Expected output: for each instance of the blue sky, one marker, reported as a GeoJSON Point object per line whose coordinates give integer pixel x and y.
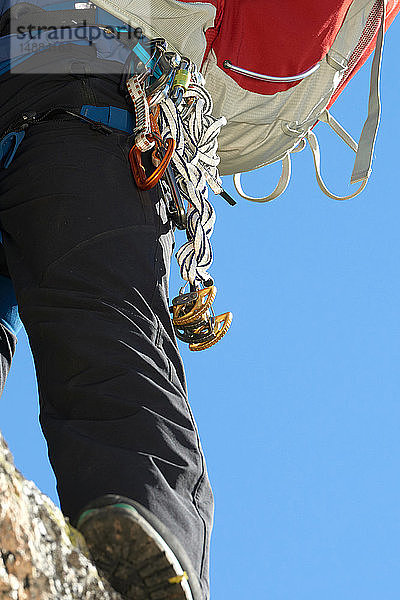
{"type": "Point", "coordinates": [298, 407]}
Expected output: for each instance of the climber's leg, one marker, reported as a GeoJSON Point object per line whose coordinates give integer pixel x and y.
{"type": "Point", "coordinates": [89, 255]}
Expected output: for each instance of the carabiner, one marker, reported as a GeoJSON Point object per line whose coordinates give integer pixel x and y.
{"type": "Point", "coordinates": [175, 202]}
{"type": "Point", "coordinates": [135, 158]}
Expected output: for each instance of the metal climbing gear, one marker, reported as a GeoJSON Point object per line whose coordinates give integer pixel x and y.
{"type": "Point", "coordinates": [174, 122]}
{"type": "Point", "coordinates": [147, 131]}
{"type": "Point", "coordinates": [144, 181]}
{"type": "Point", "coordinates": [161, 154]}
{"type": "Point", "coordinates": [176, 206]}
{"type": "Point", "coordinates": [194, 320]}
{"type": "Point", "coordinates": [181, 81]}
{"type": "Point", "coordinates": [137, 93]}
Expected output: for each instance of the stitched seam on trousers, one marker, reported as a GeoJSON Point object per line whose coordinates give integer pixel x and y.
{"type": "Point", "coordinates": [88, 241]}
{"type": "Point", "coordinates": [197, 485]}
{"type": "Point", "coordinates": [157, 248]}
{"type": "Point", "coordinates": [196, 488]}
{"type": "Point", "coordinates": [85, 88]}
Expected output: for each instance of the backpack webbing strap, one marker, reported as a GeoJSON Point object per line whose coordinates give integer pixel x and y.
{"type": "Point", "coordinates": [280, 188]}
{"type": "Point", "coordinates": [313, 141]}
{"type": "Point", "coordinates": [365, 147]}
{"type": "Point", "coordinates": [362, 166]}
{"type": "Point", "coordinates": [330, 120]}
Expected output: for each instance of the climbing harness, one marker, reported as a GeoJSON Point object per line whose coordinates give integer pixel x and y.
{"type": "Point", "coordinates": [98, 118]}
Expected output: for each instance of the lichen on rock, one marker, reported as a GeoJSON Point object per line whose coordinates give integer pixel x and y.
{"type": "Point", "coordinates": [42, 557]}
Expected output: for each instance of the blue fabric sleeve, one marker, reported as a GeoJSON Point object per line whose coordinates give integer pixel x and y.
{"type": "Point", "coordinates": [9, 315]}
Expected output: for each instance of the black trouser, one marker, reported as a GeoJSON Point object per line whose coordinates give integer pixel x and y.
{"type": "Point", "coordinates": [89, 255]}
{"type": "Point", "coordinates": [7, 348]}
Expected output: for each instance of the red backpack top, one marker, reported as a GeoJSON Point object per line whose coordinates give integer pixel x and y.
{"type": "Point", "coordinates": [273, 69]}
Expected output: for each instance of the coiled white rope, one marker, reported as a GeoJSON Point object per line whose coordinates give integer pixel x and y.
{"type": "Point", "coordinates": [195, 164]}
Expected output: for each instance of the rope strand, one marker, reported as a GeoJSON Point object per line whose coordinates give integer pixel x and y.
{"type": "Point", "coordinates": [195, 164]}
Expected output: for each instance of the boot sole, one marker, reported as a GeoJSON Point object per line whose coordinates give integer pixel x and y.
{"type": "Point", "coordinates": [132, 556]}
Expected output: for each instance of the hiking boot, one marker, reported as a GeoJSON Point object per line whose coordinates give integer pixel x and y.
{"type": "Point", "coordinates": [135, 552]}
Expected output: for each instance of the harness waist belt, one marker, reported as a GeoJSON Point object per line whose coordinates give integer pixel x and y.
{"type": "Point", "coordinates": [117, 118]}
{"type": "Point", "coordinates": [107, 116]}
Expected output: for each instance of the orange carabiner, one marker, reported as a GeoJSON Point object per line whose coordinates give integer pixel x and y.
{"type": "Point", "coordinates": [135, 158]}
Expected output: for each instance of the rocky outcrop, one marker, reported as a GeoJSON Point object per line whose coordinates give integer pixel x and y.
{"type": "Point", "coordinates": [41, 556]}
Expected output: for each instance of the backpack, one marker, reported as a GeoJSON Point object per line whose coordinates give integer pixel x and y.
{"type": "Point", "coordinates": [273, 70]}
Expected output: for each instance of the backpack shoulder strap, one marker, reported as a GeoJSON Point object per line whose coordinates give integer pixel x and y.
{"type": "Point", "coordinates": [362, 166]}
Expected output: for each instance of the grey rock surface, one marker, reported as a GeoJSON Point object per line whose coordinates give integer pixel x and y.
{"type": "Point", "coordinates": [41, 556]}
